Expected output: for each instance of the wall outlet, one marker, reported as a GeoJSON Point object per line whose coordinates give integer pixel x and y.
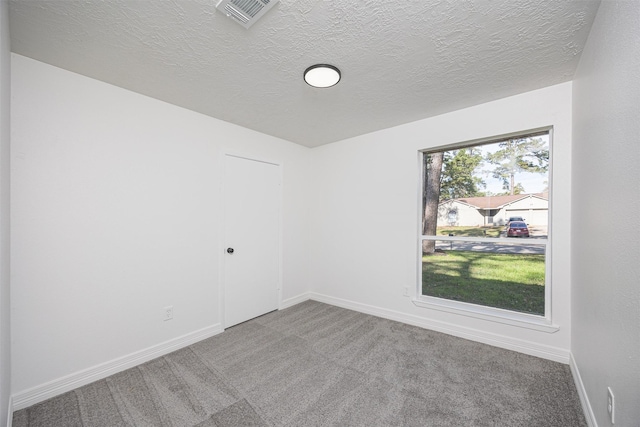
{"type": "Point", "coordinates": [168, 312]}
{"type": "Point", "coordinates": [406, 291]}
{"type": "Point", "coordinates": [611, 405]}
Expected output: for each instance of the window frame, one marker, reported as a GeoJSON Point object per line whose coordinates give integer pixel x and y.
{"type": "Point", "coordinates": [542, 323]}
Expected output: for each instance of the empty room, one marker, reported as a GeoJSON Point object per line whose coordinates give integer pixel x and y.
{"type": "Point", "coordinates": [319, 213]}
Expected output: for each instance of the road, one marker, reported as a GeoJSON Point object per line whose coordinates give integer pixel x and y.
{"type": "Point", "coordinates": [512, 246]}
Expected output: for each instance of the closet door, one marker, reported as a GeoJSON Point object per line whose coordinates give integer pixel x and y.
{"type": "Point", "coordinates": [252, 243]}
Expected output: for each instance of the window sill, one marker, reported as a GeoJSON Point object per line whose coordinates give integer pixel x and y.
{"type": "Point", "coordinates": [522, 320]}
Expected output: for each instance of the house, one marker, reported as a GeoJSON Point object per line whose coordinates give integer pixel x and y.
{"type": "Point", "coordinates": [494, 210]}
{"type": "Point", "coordinates": [111, 199]}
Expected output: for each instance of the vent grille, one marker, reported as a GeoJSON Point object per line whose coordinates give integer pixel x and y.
{"type": "Point", "coordinates": [245, 12]}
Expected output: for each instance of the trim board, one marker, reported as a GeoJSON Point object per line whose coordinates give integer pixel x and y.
{"type": "Point", "coordinates": [582, 392]}
{"type": "Point", "coordinates": [527, 347]}
{"type": "Point", "coordinates": [10, 412]}
{"type": "Point", "coordinates": [67, 383]}
{"type": "Point", "coordinates": [290, 302]}
{"type": "Point", "coordinates": [53, 388]}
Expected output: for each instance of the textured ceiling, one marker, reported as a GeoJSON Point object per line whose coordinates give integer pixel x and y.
{"type": "Point", "coordinates": [400, 61]}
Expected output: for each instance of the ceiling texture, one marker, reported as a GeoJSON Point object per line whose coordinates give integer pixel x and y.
{"type": "Point", "coordinates": [401, 61]}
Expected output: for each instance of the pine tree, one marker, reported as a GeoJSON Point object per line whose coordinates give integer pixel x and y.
{"type": "Point", "coordinates": [518, 155]}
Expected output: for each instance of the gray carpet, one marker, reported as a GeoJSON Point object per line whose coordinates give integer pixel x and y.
{"type": "Point", "coordinates": [319, 365]}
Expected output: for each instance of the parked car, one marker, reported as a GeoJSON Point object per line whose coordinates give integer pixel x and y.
{"type": "Point", "coordinates": [517, 229]}
{"type": "Point", "coordinates": [515, 218]}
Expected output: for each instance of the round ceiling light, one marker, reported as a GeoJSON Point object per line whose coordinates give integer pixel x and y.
{"type": "Point", "coordinates": [322, 75]}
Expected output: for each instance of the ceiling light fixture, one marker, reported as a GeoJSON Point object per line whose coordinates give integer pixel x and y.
{"type": "Point", "coordinates": [322, 75]}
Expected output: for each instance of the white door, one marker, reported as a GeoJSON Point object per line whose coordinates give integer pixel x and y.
{"type": "Point", "coordinates": [252, 249]}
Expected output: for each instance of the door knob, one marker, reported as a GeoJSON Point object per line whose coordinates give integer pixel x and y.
{"type": "Point", "coordinates": [229, 250]}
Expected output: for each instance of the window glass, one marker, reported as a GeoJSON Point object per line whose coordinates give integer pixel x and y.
{"type": "Point", "coordinates": [485, 221]}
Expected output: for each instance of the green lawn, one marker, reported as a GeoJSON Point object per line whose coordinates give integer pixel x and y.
{"type": "Point", "coordinates": [470, 231]}
{"type": "Point", "coordinates": [509, 281]}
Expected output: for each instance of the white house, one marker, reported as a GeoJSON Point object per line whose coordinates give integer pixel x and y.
{"type": "Point", "coordinates": [494, 210]}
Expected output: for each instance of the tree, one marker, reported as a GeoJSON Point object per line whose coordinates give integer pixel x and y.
{"type": "Point", "coordinates": [458, 170]}
{"type": "Point", "coordinates": [518, 155]}
{"type": "Point", "coordinates": [517, 189]}
{"type": "Point", "coordinates": [431, 197]}
{"type": "Point", "coordinates": [447, 175]}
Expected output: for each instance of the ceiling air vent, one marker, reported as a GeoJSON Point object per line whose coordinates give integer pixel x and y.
{"type": "Point", "coordinates": [245, 12]}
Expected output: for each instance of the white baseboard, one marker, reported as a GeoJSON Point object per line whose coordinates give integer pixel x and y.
{"type": "Point", "coordinates": [582, 392]}
{"type": "Point", "coordinates": [527, 347]}
{"type": "Point", "coordinates": [289, 302]}
{"type": "Point", "coordinates": [78, 379]}
{"type": "Point", "coordinates": [10, 412]}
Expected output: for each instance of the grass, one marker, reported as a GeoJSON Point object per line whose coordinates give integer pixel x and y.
{"type": "Point", "coordinates": [470, 231]}
{"type": "Point", "coordinates": [508, 281]}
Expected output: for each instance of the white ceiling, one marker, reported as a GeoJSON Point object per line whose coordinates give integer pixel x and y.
{"type": "Point", "coordinates": [400, 60]}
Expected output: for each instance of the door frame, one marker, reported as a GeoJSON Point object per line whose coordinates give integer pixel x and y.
{"type": "Point", "coordinates": [224, 153]}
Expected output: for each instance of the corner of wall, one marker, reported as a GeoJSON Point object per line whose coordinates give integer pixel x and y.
{"type": "Point", "coordinates": [5, 134]}
{"type": "Point", "coordinates": [10, 412]}
{"type": "Point", "coordinates": [582, 392]}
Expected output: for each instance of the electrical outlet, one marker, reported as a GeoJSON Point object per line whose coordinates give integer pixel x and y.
{"type": "Point", "coordinates": [406, 291]}
{"type": "Point", "coordinates": [168, 312]}
{"type": "Point", "coordinates": [611, 405]}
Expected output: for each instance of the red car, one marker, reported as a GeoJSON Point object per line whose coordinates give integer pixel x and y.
{"type": "Point", "coordinates": [517, 229]}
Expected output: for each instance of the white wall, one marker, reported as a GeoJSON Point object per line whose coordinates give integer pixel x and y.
{"type": "Point", "coordinates": [606, 150]}
{"type": "Point", "coordinates": [116, 214]}
{"type": "Point", "coordinates": [466, 215]}
{"type": "Point", "coordinates": [5, 326]}
{"type": "Point", "coordinates": [365, 217]}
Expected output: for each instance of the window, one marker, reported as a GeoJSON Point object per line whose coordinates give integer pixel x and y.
{"type": "Point", "coordinates": [485, 227]}
{"type": "Point", "coordinates": [453, 217]}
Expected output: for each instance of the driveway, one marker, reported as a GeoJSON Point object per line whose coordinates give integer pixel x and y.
{"type": "Point", "coordinates": [539, 231]}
